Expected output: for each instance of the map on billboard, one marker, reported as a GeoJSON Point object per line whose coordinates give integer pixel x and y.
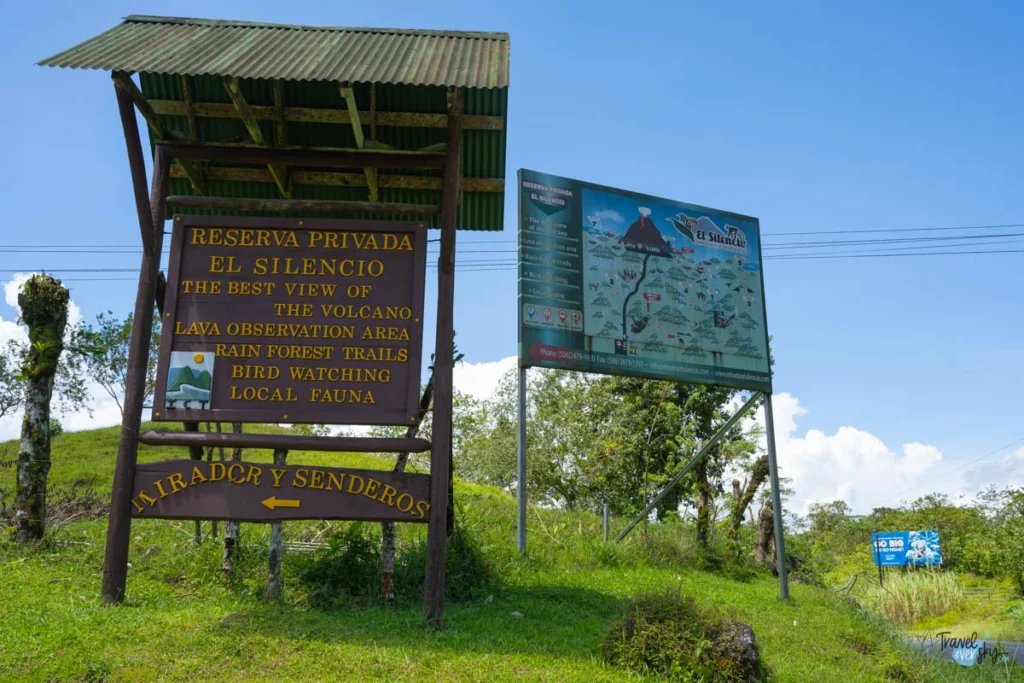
{"type": "Point", "coordinates": [622, 283]}
{"type": "Point", "coordinates": [906, 548]}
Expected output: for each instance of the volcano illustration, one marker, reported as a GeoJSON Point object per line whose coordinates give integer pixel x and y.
{"type": "Point", "coordinates": [644, 238]}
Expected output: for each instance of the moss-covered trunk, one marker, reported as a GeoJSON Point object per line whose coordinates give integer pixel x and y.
{"type": "Point", "coordinates": [44, 310]}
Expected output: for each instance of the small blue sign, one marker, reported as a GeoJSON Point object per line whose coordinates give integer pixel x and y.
{"type": "Point", "coordinates": [906, 548]}
{"type": "Point", "coordinates": [749, 266]}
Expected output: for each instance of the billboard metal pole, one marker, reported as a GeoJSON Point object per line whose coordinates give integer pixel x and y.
{"type": "Point", "coordinates": [773, 473]}
{"type": "Point", "coordinates": [521, 462]}
{"type": "Point", "coordinates": [696, 459]}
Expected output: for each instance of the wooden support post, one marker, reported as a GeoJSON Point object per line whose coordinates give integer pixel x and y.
{"type": "Point", "coordinates": [443, 365]}
{"type": "Point", "coordinates": [126, 85]}
{"type": "Point", "coordinates": [137, 164]}
{"type": "Point", "coordinates": [276, 554]}
{"type": "Point", "coordinates": [280, 173]}
{"type": "Point", "coordinates": [115, 563]}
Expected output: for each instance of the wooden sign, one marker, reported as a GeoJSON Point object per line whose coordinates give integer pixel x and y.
{"type": "Point", "coordinates": [260, 492]}
{"type": "Point", "coordinates": [285, 320]}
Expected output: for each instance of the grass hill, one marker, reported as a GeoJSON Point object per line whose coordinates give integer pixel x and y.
{"type": "Point", "coordinates": [541, 618]}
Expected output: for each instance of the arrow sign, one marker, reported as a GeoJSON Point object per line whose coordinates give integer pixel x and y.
{"type": "Point", "coordinates": [262, 492]}
{"type": "Point", "coordinates": [273, 502]}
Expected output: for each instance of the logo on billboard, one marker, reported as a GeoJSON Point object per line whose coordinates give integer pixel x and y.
{"type": "Point", "coordinates": [706, 233]}
{"type": "Point", "coordinates": [547, 314]}
{"type": "Point", "coordinates": [531, 311]}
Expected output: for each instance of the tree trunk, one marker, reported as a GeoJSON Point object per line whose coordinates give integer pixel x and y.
{"type": "Point", "coordinates": [743, 499]}
{"type": "Point", "coordinates": [276, 554]}
{"type": "Point", "coordinates": [44, 308]}
{"type": "Point", "coordinates": [700, 476]}
{"type": "Point", "coordinates": [764, 551]}
{"type": "Point", "coordinates": [230, 527]}
{"type": "Point", "coordinates": [387, 532]}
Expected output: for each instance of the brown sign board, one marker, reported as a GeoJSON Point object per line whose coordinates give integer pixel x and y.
{"type": "Point", "coordinates": [287, 320]}
{"type": "Point", "coordinates": [261, 492]}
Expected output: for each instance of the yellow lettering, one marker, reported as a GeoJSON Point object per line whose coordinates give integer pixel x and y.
{"type": "Point", "coordinates": [299, 482]}
{"type": "Point", "coordinates": [422, 507]}
{"type": "Point", "coordinates": [387, 496]}
{"type": "Point", "coordinates": [177, 482]}
{"type": "Point", "coordinates": [371, 488]}
{"type": "Point", "coordinates": [316, 480]}
{"type": "Point", "coordinates": [352, 483]}
{"type": "Point", "coordinates": [231, 470]}
{"type": "Point", "coordinates": [253, 475]}
{"type": "Point", "coordinates": [337, 480]}
{"type": "Point", "coordinates": [197, 477]}
{"type": "Point", "coordinates": [398, 503]}
{"type": "Point", "coordinates": [277, 477]}
{"type": "Point", "coordinates": [217, 471]}
{"type": "Point", "coordinates": [160, 488]}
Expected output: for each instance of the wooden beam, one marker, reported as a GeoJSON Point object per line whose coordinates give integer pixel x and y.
{"type": "Point", "coordinates": [353, 115]}
{"type": "Point", "coordinates": [126, 85]}
{"type": "Point", "coordinates": [324, 157]}
{"type": "Point", "coordinates": [190, 114]}
{"type": "Point", "coordinates": [279, 172]}
{"type": "Point", "coordinates": [119, 528]}
{"type": "Point", "coordinates": [193, 132]}
{"type": "Point", "coordinates": [333, 444]}
{"type": "Point", "coordinates": [301, 205]}
{"type": "Point", "coordinates": [137, 166]}
{"type": "Point", "coordinates": [441, 433]}
{"type": "Point", "coordinates": [357, 129]}
{"type": "Point", "coordinates": [336, 179]}
{"type": "Point", "coordinates": [282, 127]}
{"type": "Point", "coordinates": [392, 119]}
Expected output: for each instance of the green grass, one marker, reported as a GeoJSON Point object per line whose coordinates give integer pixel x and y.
{"type": "Point", "coordinates": [907, 597]}
{"type": "Point", "coordinates": [183, 621]}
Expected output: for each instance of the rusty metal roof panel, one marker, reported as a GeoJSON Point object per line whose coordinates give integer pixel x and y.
{"type": "Point", "coordinates": [197, 47]}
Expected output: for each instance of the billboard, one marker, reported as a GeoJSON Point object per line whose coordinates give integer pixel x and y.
{"type": "Point", "coordinates": [906, 548]}
{"type": "Point", "coordinates": [287, 320]}
{"type": "Point", "coordinates": [622, 283]}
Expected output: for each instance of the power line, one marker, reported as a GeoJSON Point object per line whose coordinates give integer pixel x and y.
{"type": "Point", "coordinates": [946, 473]}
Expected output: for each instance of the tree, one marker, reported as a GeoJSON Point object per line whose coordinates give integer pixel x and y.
{"type": "Point", "coordinates": [44, 310]}
{"type": "Point", "coordinates": [107, 362]}
{"type": "Point", "coordinates": [68, 384]}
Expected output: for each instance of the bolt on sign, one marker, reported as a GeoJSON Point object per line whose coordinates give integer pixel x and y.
{"type": "Point", "coordinates": [292, 321]}
{"type": "Point", "coordinates": [250, 492]}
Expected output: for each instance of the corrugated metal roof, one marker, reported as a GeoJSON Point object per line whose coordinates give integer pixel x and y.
{"type": "Point", "coordinates": [197, 47]}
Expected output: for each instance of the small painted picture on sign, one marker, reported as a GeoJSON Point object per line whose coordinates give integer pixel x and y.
{"type": "Point", "coordinates": [189, 380]}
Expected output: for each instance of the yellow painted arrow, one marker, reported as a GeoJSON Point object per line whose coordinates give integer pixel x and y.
{"type": "Point", "coordinates": [274, 502]}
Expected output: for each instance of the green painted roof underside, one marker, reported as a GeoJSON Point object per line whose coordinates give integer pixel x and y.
{"type": "Point", "coordinates": [483, 151]}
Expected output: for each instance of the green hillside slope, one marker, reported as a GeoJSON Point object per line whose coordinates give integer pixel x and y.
{"type": "Point", "coordinates": [535, 619]}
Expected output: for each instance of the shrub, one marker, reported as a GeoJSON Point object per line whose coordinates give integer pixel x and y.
{"type": "Point", "coordinates": [348, 567]}
{"type": "Point", "coordinates": [468, 575]}
{"type": "Point", "coordinates": [670, 636]}
{"type": "Point", "coordinates": [909, 596]}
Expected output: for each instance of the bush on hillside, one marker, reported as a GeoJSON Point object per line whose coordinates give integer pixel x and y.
{"type": "Point", "coordinates": [468, 575]}
{"type": "Point", "coordinates": [347, 567]}
{"type": "Point", "coordinates": [909, 596]}
{"type": "Point", "coordinates": [670, 636]}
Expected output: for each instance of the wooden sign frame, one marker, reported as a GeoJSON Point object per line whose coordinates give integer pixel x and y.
{"type": "Point", "coordinates": [290, 413]}
{"type": "Point", "coordinates": [151, 207]}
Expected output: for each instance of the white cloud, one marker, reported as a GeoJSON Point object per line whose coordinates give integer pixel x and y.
{"type": "Point", "coordinates": [479, 380]}
{"type": "Point", "coordinates": [851, 464]}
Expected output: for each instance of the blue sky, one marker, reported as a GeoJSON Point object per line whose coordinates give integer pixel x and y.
{"type": "Point", "coordinates": [810, 116]}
